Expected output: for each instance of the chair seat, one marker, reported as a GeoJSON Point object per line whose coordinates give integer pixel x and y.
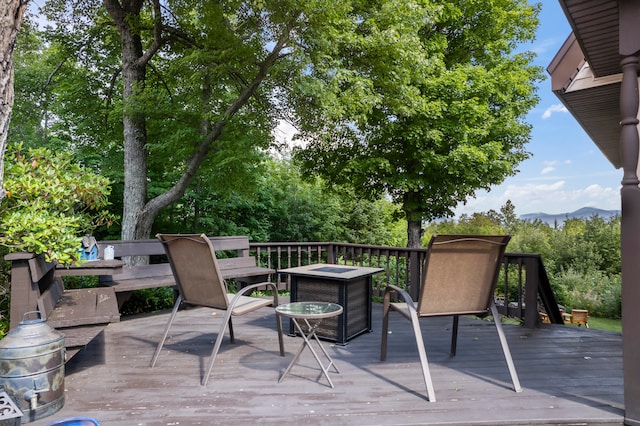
{"type": "Point", "coordinates": [246, 304]}
{"type": "Point", "coordinates": [401, 308]}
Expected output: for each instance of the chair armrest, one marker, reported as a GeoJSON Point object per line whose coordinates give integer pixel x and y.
{"type": "Point", "coordinates": [406, 309]}
{"type": "Point", "coordinates": [402, 292]}
{"type": "Point", "coordinates": [252, 287]}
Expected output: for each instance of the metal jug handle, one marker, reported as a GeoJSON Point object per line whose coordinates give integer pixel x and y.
{"type": "Point", "coordinates": [24, 316]}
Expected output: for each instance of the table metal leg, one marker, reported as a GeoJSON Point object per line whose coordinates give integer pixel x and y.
{"type": "Point", "coordinates": [307, 337]}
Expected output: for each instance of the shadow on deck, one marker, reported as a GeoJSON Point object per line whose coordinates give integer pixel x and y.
{"type": "Point", "coordinates": [570, 375]}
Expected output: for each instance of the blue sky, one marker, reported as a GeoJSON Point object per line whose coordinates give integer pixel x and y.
{"type": "Point", "coordinates": [566, 170]}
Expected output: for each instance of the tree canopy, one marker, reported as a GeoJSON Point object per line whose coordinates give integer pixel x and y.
{"type": "Point", "coordinates": [418, 100]}
{"type": "Point", "coordinates": [425, 103]}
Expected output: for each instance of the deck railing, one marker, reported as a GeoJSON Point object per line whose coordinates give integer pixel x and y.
{"type": "Point", "coordinates": [523, 281]}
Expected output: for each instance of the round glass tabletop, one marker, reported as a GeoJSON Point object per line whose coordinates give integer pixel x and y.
{"type": "Point", "coordinates": [309, 309]}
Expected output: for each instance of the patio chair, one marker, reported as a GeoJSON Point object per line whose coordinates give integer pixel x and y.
{"type": "Point", "coordinates": [200, 283]}
{"type": "Point", "coordinates": [459, 278]}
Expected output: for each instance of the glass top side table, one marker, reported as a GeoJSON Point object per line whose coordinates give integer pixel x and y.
{"type": "Point", "coordinates": [305, 312]}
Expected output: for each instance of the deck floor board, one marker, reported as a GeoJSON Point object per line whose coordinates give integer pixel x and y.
{"type": "Point", "coordinates": [570, 375]}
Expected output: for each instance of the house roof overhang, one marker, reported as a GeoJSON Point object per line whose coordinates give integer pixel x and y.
{"type": "Point", "coordinates": [586, 72]}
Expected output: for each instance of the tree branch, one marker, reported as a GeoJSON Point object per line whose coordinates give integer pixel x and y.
{"type": "Point", "coordinates": [157, 35]}
{"type": "Point", "coordinates": [51, 74]}
{"type": "Point", "coordinates": [109, 95]}
{"type": "Point", "coordinates": [198, 157]}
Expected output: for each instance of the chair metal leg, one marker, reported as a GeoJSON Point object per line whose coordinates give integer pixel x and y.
{"type": "Point", "coordinates": [454, 336]}
{"type": "Point", "coordinates": [227, 322]}
{"type": "Point", "coordinates": [231, 336]}
{"type": "Point", "coordinates": [216, 347]}
{"type": "Point", "coordinates": [280, 341]}
{"type": "Point", "coordinates": [166, 330]}
{"type": "Point", "coordinates": [385, 326]}
{"type": "Point", "coordinates": [505, 348]}
{"type": "Point", "coordinates": [274, 290]}
{"type": "Point", "coordinates": [413, 315]}
{"type": "Point", "coordinates": [426, 374]}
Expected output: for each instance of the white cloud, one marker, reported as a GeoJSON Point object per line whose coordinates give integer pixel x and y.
{"type": "Point", "coordinates": [597, 193]}
{"type": "Point", "coordinates": [550, 166]}
{"type": "Point", "coordinates": [546, 45]}
{"type": "Point", "coordinates": [553, 108]}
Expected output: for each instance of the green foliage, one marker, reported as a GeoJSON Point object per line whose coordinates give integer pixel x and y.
{"type": "Point", "coordinates": [148, 300]}
{"type": "Point", "coordinates": [431, 106]}
{"type": "Point", "coordinates": [478, 223]}
{"type": "Point", "coordinates": [421, 101]}
{"type": "Point", "coordinates": [595, 291]}
{"type": "Point", "coordinates": [582, 259]}
{"type": "Point", "coordinates": [284, 207]}
{"type": "Point", "coordinates": [5, 269]}
{"type": "Point", "coordinates": [51, 202]}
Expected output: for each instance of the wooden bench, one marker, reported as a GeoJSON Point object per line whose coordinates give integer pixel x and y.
{"type": "Point", "coordinates": [79, 314]}
{"type": "Point", "coordinates": [37, 285]}
{"type": "Point", "coordinates": [242, 267]}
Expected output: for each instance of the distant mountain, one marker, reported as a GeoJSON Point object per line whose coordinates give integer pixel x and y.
{"type": "Point", "coordinates": [583, 213]}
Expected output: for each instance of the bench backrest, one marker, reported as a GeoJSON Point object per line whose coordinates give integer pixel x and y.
{"type": "Point", "coordinates": [49, 297]}
{"type": "Point", "coordinates": [123, 248]}
{"type": "Point", "coordinates": [31, 276]}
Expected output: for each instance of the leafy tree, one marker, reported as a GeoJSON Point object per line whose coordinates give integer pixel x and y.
{"type": "Point", "coordinates": [426, 106]}
{"type": "Point", "coordinates": [51, 201]}
{"type": "Point", "coordinates": [605, 235]}
{"type": "Point", "coordinates": [508, 216]}
{"type": "Point", "coordinates": [30, 69]}
{"type": "Point", "coordinates": [533, 237]}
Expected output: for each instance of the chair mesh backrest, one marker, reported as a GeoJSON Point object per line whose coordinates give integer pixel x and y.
{"type": "Point", "coordinates": [460, 274]}
{"type": "Point", "coordinates": [195, 269]}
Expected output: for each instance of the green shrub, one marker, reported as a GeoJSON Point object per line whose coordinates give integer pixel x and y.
{"type": "Point", "coordinates": [148, 300]}
{"type": "Point", "coordinates": [51, 202]}
{"type": "Point", "coordinates": [595, 291]}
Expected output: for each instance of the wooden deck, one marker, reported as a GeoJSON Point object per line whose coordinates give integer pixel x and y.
{"type": "Point", "coordinates": [570, 375]}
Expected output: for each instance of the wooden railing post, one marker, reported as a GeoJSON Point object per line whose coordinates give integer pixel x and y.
{"type": "Point", "coordinates": [331, 256]}
{"type": "Point", "coordinates": [414, 274]}
{"type": "Point", "coordinates": [531, 293]}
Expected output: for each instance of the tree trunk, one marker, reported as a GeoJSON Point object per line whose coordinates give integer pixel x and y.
{"type": "Point", "coordinates": [126, 15]}
{"type": "Point", "coordinates": [11, 15]}
{"type": "Point", "coordinates": [134, 63]}
{"type": "Point", "coordinates": [414, 220]}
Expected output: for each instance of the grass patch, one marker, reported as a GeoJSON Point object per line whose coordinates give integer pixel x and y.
{"type": "Point", "coordinates": [605, 324]}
